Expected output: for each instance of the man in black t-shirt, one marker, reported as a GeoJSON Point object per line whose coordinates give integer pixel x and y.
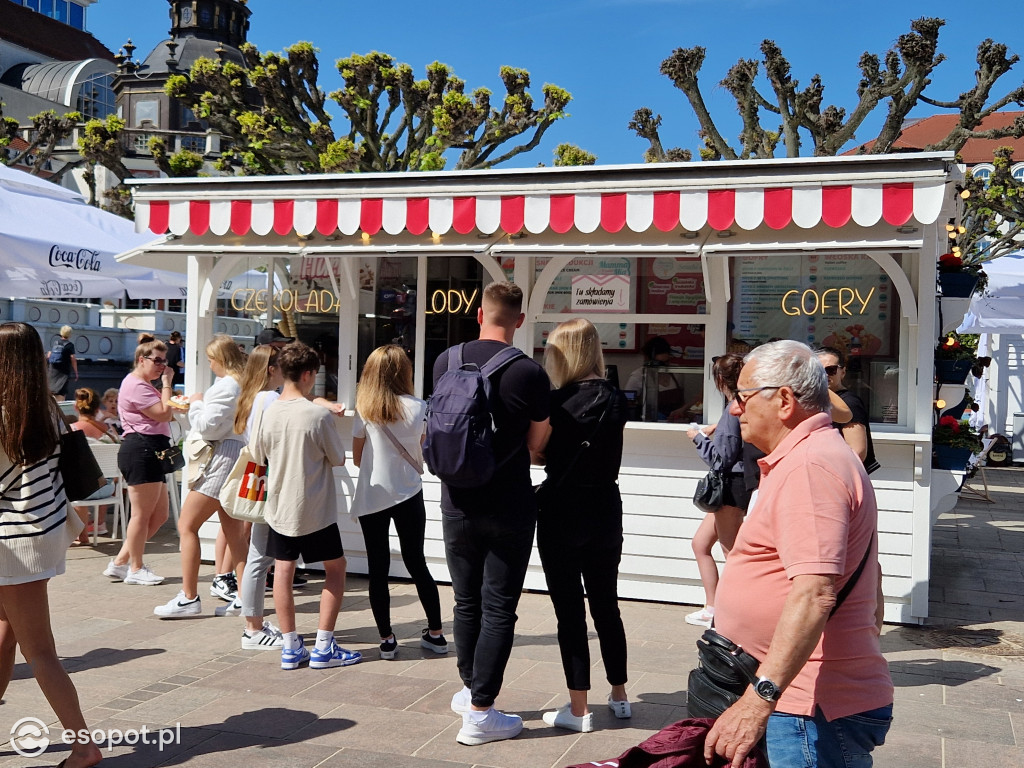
{"type": "Point", "coordinates": [174, 358]}
{"type": "Point", "coordinates": [857, 431]}
{"type": "Point", "coordinates": [488, 531]}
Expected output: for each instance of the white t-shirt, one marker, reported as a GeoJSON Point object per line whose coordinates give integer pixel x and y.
{"type": "Point", "coordinates": [385, 477]}
{"type": "Point", "coordinates": [301, 444]}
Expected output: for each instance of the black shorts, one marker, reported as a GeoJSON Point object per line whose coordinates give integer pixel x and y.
{"type": "Point", "coordinates": [315, 547]}
{"type": "Point", "coordinates": [137, 458]}
{"type": "Point", "coordinates": [735, 493]}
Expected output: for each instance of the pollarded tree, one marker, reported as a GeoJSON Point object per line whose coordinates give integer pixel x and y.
{"type": "Point", "coordinates": [895, 81]}
{"type": "Point", "coordinates": [993, 219]}
{"type": "Point", "coordinates": [49, 131]}
{"type": "Point", "coordinates": [395, 122]}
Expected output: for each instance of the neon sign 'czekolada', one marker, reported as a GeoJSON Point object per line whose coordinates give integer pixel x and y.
{"type": "Point", "coordinates": [253, 300]}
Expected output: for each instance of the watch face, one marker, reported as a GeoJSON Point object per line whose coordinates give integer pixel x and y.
{"type": "Point", "coordinates": [767, 690]}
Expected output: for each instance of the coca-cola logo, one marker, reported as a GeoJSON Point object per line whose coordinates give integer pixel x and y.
{"type": "Point", "coordinates": [84, 259]}
{"type": "Point", "coordinates": [59, 288]}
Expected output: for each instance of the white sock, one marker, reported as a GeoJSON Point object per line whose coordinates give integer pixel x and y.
{"type": "Point", "coordinates": [291, 641]}
{"type": "Point", "coordinates": [324, 638]}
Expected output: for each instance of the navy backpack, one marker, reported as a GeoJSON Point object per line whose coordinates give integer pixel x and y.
{"type": "Point", "coordinates": [460, 428]}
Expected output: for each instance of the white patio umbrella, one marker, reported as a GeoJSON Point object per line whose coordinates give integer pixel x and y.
{"type": "Point", "coordinates": [54, 245]}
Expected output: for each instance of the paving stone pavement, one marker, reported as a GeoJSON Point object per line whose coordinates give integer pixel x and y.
{"type": "Point", "coordinates": [959, 679]}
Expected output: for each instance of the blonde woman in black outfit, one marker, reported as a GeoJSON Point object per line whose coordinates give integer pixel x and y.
{"type": "Point", "coordinates": [579, 526]}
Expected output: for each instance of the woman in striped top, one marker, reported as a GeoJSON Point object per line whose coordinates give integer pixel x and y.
{"type": "Point", "coordinates": [34, 527]}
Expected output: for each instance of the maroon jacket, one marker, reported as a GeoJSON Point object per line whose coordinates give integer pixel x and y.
{"type": "Point", "coordinates": [680, 745]}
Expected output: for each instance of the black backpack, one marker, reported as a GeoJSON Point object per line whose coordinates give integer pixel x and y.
{"type": "Point", "coordinates": [460, 427]}
{"type": "Point", "coordinates": [57, 359]}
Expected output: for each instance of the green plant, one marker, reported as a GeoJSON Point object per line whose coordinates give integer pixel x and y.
{"type": "Point", "coordinates": [956, 347]}
{"type": "Point", "coordinates": [956, 434]}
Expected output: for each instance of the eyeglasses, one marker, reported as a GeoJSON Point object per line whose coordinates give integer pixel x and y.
{"type": "Point", "coordinates": [742, 401]}
{"type": "Point", "coordinates": [832, 370]}
{"type": "Point", "coordinates": [158, 360]}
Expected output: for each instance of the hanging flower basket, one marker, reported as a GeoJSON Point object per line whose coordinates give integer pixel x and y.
{"type": "Point", "coordinates": [948, 457]}
{"type": "Point", "coordinates": [952, 371]}
{"type": "Point", "coordinates": [958, 284]}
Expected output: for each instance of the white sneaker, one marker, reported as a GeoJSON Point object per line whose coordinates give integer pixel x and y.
{"type": "Point", "coordinates": [492, 726]}
{"type": "Point", "coordinates": [179, 606]}
{"type": "Point", "coordinates": [462, 701]}
{"type": "Point", "coordinates": [143, 577]}
{"type": "Point", "coordinates": [701, 618]}
{"type": "Point", "coordinates": [564, 718]}
{"type": "Point", "coordinates": [263, 639]}
{"type": "Point", "coordinates": [620, 709]}
{"type": "Point", "coordinates": [115, 571]}
{"type": "Point", "coordinates": [231, 609]}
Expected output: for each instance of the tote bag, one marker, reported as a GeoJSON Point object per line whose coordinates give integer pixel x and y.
{"type": "Point", "coordinates": [244, 493]}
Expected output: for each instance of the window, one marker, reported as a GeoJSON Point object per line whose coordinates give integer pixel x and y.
{"type": "Point", "coordinates": [195, 144]}
{"type": "Point", "coordinates": [76, 16]}
{"type": "Point", "coordinates": [982, 171]}
{"type": "Point", "coordinates": [96, 96]}
{"type": "Point", "coordinates": [1018, 171]}
{"type": "Point", "coordinates": [843, 300]}
{"type": "Point", "coordinates": [147, 111]}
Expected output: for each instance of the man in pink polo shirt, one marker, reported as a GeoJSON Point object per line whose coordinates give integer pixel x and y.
{"type": "Point", "coordinates": [824, 695]}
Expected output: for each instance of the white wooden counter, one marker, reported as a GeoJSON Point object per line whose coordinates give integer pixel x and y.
{"type": "Point", "coordinates": [660, 470]}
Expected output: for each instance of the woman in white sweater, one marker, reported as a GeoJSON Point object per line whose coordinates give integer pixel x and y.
{"type": "Point", "coordinates": [212, 417]}
{"type": "Point", "coordinates": [35, 528]}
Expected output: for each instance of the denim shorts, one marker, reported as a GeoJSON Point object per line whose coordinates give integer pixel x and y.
{"type": "Point", "coordinates": [796, 741]}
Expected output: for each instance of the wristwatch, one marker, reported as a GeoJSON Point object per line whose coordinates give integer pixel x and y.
{"type": "Point", "coordinates": [767, 690]}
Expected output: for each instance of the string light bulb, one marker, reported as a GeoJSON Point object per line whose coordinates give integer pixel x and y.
{"type": "Point", "coordinates": [365, 237]}
{"type": "Point", "coordinates": [940, 404]}
{"type": "Point", "coordinates": [950, 226]}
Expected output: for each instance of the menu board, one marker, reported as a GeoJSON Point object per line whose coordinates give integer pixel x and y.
{"type": "Point", "coordinates": [844, 301]}
{"type": "Point", "coordinates": [670, 286]}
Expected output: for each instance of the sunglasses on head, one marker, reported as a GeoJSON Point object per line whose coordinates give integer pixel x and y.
{"type": "Point", "coordinates": [832, 370]}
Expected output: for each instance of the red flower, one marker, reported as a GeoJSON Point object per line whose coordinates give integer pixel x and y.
{"type": "Point", "coordinates": [950, 261]}
{"type": "Point", "coordinates": [949, 421]}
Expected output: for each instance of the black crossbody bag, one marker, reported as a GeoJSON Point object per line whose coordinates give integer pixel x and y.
{"type": "Point", "coordinates": [724, 669]}
{"type": "Point", "coordinates": [545, 489]}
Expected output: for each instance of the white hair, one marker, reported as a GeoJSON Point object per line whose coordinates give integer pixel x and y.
{"type": "Point", "coordinates": [791, 364]}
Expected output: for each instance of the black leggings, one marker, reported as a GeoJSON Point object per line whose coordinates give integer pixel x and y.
{"type": "Point", "coordinates": [579, 536]}
{"type": "Point", "coordinates": [410, 523]}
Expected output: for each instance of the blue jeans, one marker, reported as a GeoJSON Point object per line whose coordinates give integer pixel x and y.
{"type": "Point", "coordinates": [795, 741]}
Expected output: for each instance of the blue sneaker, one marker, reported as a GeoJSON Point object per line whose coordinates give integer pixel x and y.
{"type": "Point", "coordinates": [294, 659]}
{"type": "Point", "coordinates": [335, 656]}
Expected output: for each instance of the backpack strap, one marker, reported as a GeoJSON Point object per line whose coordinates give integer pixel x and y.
{"type": "Point", "coordinates": [500, 360]}
{"type": "Point", "coordinates": [455, 360]}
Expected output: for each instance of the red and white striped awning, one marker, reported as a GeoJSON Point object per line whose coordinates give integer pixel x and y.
{"type": "Point", "coordinates": [691, 209]}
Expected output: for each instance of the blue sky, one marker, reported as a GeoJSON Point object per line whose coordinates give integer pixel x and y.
{"type": "Point", "coordinates": [607, 53]}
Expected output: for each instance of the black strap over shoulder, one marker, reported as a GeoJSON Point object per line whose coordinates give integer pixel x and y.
{"type": "Point", "coordinates": [848, 587]}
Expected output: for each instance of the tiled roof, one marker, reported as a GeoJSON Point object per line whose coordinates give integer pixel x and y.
{"type": "Point", "coordinates": [51, 38]}
{"type": "Point", "coordinates": [920, 133]}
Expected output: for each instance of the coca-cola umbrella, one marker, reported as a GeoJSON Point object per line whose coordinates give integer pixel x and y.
{"type": "Point", "coordinates": [54, 245]}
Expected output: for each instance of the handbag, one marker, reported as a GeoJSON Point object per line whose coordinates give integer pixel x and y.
{"type": "Point", "coordinates": [244, 493]}
{"type": "Point", "coordinates": [172, 459]}
{"type": "Point", "coordinates": [198, 452]}
{"type": "Point", "coordinates": [78, 466]}
{"type": "Point", "coordinates": [710, 493]}
{"type": "Point", "coordinates": [724, 669]}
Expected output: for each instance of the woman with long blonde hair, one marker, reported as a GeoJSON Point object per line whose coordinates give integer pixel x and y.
{"type": "Point", "coordinates": [386, 437]}
{"type": "Point", "coordinates": [260, 381]}
{"type": "Point", "coordinates": [579, 524]}
{"type": "Point", "coordinates": [145, 414]}
{"type": "Point", "coordinates": [34, 528]}
{"type": "Point", "coordinates": [212, 416]}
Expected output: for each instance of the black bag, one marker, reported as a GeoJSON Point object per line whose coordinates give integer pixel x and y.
{"type": "Point", "coordinates": [78, 466]}
{"type": "Point", "coordinates": [710, 493]}
{"type": "Point", "coordinates": [172, 459]}
{"type": "Point", "coordinates": [724, 670]}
